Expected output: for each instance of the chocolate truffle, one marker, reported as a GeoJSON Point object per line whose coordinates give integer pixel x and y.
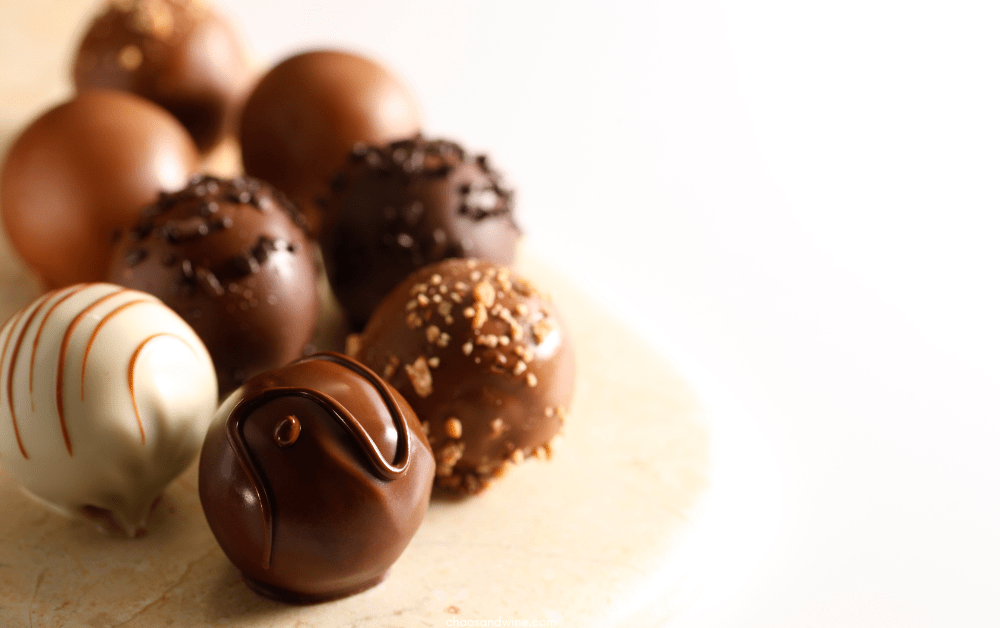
{"type": "Point", "coordinates": [302, 119]}
{"type": "Point", "coordinates": [106, 397]}
{"type": "Point", "coordinates": [231, 257]}
{"type": "Point", "coordinates": [314, 478]}
{"type": "Point", "coordinates": [177, 53]}
{"type": "Point", "coordinates": [404, 205]}
{"type": "Point", "coordinates": [82, 172]}
{"type": "Point", "coordinates": [484, 360]}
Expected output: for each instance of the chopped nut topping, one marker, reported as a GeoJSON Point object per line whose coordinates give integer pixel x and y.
{"type": "Point", "coordinates": [469, 312]}
{"type": "Point", "coordinates": [448, 456]}
{"type": "Point", "coordinates": [444, 309]}
{"type": "Point", "coordinates": [517, 456]}
{"type": "Point", "coordinates": [503, 278]}
{"type": "Point", "coordinates": [496, 426]}
{"type": "Point", "coordinates": [461, 286]}
{"type": "Point", "coordinates": [488, 340]}
{"type": "Point", "coordinates": [521, 309]}
{"type": "Point", "coordinates": [475, 275]}
{"type": "Point", "coordinates": [453, 428]}
{"type": "Point", "coordinates": [481, 316]}
{"type": "Point", "coordinates": [436, 298]}
{"type": "Point", "coordinates": [550, 412]}
{"type": "Point", "coordinates": [531, 379]}
{"type": "Point", "coordinates": [411, 305]}
{"type": "Point", "coordinates": [435, 279]}
{"type": "Point", "coordinates": [434, 362]}
{"type": "Point", "coordinates": [418, 288]}
{"type": "Point", "coordinates": [467, 347]}
{"type": "Point", "coordinates": [484, 293]}
{"type": "Point", "coordinates": [504, 341]}
{"type": "Point", "coordinates": [444, 339]}
{"type": "Point", "coordinates": [520, 367]}
{"type": "Point", "coordinates": [413, 320]}
{"type": "Point", "coordinates": [422, 299]}
{"type": "Point", "coordinates": [433, 333]}
{"type": "Point", "coordinates": [420, 377]}
{"type": "Point", "coordinates": [390, 367]}
{"type": "Point", "coordinates": [541, 330]}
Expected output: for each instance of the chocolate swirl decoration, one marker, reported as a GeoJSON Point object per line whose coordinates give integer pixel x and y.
{"type": "Point", "coordinates": [382, 468]}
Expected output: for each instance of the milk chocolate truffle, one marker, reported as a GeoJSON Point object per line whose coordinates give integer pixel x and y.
{"type": "Point", "coordinates": [484, 360]}
{"type": "Point", "coordinates": [231, 257]}
{"type": "Point", "coordinates": [83, 171]}
{"type": "Point", "coordinates": [105, 397]}
{"type": "Point", "coordinates": [305, 115]}
{"type": "Point", "coordinates": [177, 53]}
{"type": "Point", "coordinates": [401, 206]}
{"type": "Point", "coordinates": [314, 478]}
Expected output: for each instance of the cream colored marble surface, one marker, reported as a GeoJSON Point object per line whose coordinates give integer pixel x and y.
{"type": "Point", "coordinates": [570, 540]}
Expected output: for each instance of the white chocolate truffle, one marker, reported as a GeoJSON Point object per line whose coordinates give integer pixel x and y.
{"type": "Point", "coordinates": [105, 397]}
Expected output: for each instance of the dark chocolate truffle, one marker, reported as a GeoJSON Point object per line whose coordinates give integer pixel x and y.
{"type": "Point", "coordinates": [304, 116]}
{"type": "Point", "coordinates": [401, 206]}
{"type": "Point", "coordinates": [314, 477]}
{"type": "Point", "coordinates": [177, 53]}
{"type": "Point", "coordinates": [231, 257]}
{"type": "Point", "coordinates": [82, 172]}
{"type": "Point", "coordinates": [484, 360]}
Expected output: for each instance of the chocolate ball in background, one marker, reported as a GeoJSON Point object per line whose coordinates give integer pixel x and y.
{"type": "Point", "coordinates": [232, 258]}
{"type": "Point", "coordinates": [82, 172]}
{"type": "Point", "coordinates": [314, 477]}
{"type": "Point", "coordinates": [482, 357]}
{"type": "Point", "coordinates": [401, 206]}
{"type": "Point", "coordinates": [304, 116]}
{"type": "Point", "coordinates": [178, 53]}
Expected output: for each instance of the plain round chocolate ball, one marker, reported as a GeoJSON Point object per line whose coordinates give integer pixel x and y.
{"type": "Point", "coordinates": [179, 54]}
{"type": "Point", "coordinates": [232, 258]}
{"type": "Point", "coordinates": [306, 114]}
{"type": "Point", "coordinates": [314, 477]}
{"type": "Point", "coordinates": [81, 173]}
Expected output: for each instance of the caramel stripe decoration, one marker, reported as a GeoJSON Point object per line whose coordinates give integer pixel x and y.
{"type": "Point", "coordinates": [61, 364]}
{"type": "Point", "coordinates": [93, 337]}
{"type": "Point", "coordinates": [39, 304]}
{"type": "Point", "coordinates": [131, 374]}
{"type": "Point", "coordinates": [38, 335]}
{"type": "Point", "coordinates": [10, 398]}
{"type": "Point", "coordinates": [384, 469]}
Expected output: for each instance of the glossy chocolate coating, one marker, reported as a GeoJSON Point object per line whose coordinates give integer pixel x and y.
{"type": "Point", "coordinates": [305, 115]}
{"type": "Point", "coordinates": [231, 257]}
{"type": "Point", "coordinates": [401, 206]}
{"type": "Point", "coordinates": [314, 478]}
{"type": "Point", "coordinates": [484, 360]}
{"type": "Point", "coordinates": [177, 53]}
{"type": "Point", "coordinates": [82, 172]}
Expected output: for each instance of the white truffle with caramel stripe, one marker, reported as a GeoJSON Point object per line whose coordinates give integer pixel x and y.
{"type": "Point", "coordinates": [105, 397]}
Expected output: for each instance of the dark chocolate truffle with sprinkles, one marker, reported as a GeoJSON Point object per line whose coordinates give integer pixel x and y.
{"type": "Point", "coordinates": [314, 477]}
{"type": "Point", "coordinates": [401, 206]}
{"type": "Point", "coordinates": [483, 358]}
{"type": "Point", "coordinates": [232, 258]}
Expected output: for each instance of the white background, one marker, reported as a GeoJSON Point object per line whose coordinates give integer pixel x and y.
{"type": "Point", "coordinates": [798, 202]}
